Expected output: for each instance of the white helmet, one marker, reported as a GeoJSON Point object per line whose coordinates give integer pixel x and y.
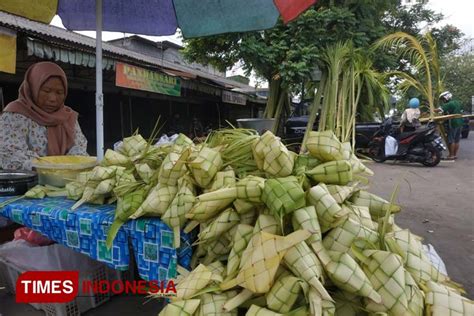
{"type": "Point", "coordinates": [446, 95]}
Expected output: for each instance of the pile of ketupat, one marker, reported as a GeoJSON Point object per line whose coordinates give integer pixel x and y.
{"type": "Point", "coordinates": [279, 233]}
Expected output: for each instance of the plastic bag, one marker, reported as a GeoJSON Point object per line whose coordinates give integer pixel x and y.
{"type": "Point", "coordinates": [31, 236]}
{"type": "Point", "coordinates": [166, 140]}
{"type": "Point", "coordinates": [391, 146]}
{"type": "Point", "coordinates": [435, 258]}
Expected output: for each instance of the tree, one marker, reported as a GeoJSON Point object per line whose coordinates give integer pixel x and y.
{"type": "Point", "coordinates": [458, 70]}
{"type": "Point", "coordinates": [415, 20]}
{"type": "Point", "coordinates": [422, 64]}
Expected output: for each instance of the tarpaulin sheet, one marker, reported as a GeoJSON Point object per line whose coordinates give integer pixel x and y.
{"type": "Point", "coordinates": [85, 231]}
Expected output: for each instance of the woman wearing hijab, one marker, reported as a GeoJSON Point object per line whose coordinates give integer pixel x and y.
{"type": "Point", "coordinates": [38, 123]}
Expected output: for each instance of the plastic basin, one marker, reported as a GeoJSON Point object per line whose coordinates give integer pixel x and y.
{"type": "Point", "coordinates": [59, 170]}
{"type": "Point", "coordinates": [258, 124]}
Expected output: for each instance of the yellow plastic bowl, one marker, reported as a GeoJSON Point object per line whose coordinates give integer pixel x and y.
{"type": "Point", "coordinates": [59, 170]}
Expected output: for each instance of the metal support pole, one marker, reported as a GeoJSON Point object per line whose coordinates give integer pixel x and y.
{"type": "Point", "coordinates": [99, 97]}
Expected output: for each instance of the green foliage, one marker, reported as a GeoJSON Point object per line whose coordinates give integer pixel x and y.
{"type": "Point", "coordinates": [423, 72]}
{"type": "Point", "coordinates": [459, 79]}
{"type": "Point", "coordinates": [290, 51]}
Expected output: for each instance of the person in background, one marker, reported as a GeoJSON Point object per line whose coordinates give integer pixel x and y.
{"type": "Point", "coordinates": [176, 126]}
{"type": "Point", "coordinates": [454, 126]}
{"type": "Point", "coordinates": [38, 123]}
{"type": "Point", "coordinates": [196, 130]}
{"type": "Point", "coordinates": [410, 117]}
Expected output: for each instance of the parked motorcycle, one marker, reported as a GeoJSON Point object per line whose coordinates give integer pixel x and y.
{"type": "Point", "coordinates": [423, 145]}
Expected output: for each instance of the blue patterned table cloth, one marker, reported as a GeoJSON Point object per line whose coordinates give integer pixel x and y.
{"type": "Point", "coordinates": [85, 230]}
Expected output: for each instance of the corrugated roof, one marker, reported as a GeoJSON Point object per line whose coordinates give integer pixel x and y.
{"type": "Point", "coordinates": [32, 27]}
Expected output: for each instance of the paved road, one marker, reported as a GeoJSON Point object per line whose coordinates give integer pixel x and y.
{"type": "Point", "coordinates": [443, 195]}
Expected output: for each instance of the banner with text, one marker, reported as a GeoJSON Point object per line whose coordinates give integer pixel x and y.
{"type": "Point", "coordinates": [234, 98]}
{"type": "Point", "coordinates": [7, 50]}
{"type": "Point", "coordinates": [133, 77]}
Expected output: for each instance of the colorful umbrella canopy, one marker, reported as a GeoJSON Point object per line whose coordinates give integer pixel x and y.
{"type": "Point", "coordinates": [194, 17]}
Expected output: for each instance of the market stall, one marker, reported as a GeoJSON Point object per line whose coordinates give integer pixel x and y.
{"type": "Point", "coordinates": [85, 230]}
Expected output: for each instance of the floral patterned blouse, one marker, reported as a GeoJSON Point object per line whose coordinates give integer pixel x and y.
{"type": "Point", "coordinates": [22, 139]}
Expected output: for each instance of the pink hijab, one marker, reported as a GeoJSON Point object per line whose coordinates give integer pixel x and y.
{"type": "Point", "coordinates": [60, 124]}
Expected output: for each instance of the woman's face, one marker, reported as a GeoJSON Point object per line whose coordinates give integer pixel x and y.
{"type": "Point", "coordinates": [51, 95]}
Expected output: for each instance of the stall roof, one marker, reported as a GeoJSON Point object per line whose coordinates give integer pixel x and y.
{"type": "Point", "coordinates": [78, 40]}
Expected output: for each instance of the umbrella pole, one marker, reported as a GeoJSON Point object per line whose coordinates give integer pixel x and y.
{"type": "Point", "coordinates": [99, 97]}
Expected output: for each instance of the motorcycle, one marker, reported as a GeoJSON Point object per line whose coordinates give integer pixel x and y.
{"type": "Point", "coordinates": [422, 145]}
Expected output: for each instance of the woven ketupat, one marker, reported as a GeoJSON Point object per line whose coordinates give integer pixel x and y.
{"type": "Point", "coordinates": [204, 210]}
{"type": "Point", "coordinates": [250, 189]}
{"type": "Point", "coordinates": [357, 165]}
{"type": "Point", "coordinates": [134, 145]}
{"type": "Point", "coordinates": [218, 249]}
{"type": "Point", "coordinates": [267, 223]}
{"type": "Point", "coordinates": [205, 166]}
{"type": "Point", "coordinates": [409, 247]}
{"type": "Point", "coordinates": [272, 156]}
{"type": "Point", "coordinates": [157, 201]}
{"type": "Point", "coordinates": [330, 214]}
{"type": "Point", "coordinates": [224, 222]}
{"type": "Point", "coordinates": [183, 140]}
{"type": "Point", "coordinates": [113, 158]}
{"type": "Point", "coordinates": [180, 308]}
{"type": "Point", "coordinates": [306, 218]}
{"type": "Point", "coordinates": [225, 178]}
{"type": "Point", "coordinates": [303, 163]}
{"type": "Point", "coordinates": [218, 271]}
{"type": "Point", "coordinates": [262, 259]}
{"type": "Point", "coordinates": [175, 215]}
{"type": "Point", "coordinates": [255, 310]}
{"type": "Point", "coordinates": [212, 303]}
{"type": "Point", "coordinates": [341, 193]}
{"type": "Point", "coordinates": [347, 304]}
{"type": "Point", "coordinates": [441, 300]}
{"type": "Point", "coordinates": [387, 275]}
{"type": "Point", "coordinates": [324, 146]}
{"type": "Point", "coordinates": [283, 294]}
{"type": "Point", "coordinates": [283, 195]}
{"type": "Point", "coordinates": [378, 207]}
{"type": "Point", "coordinates": [416, 298]}
{"type": "Point", "coordinates": [173, 167]}
{"type": "Point", "coordinates": [196, 280]}
{"type": "Point", "coordinates": [145, 172]}
{"type": "Point", "coordinates": [360, 214]}
{"type": "Point", "coordinates": [347, 275]}
{"type": "Point", "coordinates": [305, 265]}
{"type": "Point", "coordinates": [242, 206]}
{"type": "Point", "coordinates": [341, 237]}
{"type": "Point", "coordinates": [319, 305]}
{"type": "Point", "coordinates": [240, 241]}
{"type": "Point", "coordinates": [332, 172]}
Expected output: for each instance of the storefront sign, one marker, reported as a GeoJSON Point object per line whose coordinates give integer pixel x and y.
{"type": "Point", "coordinates": [7, 50]}
{"type": "Point", "coordinates": [234, 98]}
{"type": "Point", "coordinates": [133, 77]}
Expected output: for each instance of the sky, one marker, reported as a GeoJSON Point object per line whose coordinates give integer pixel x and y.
{"type": "Point", "coordinates": [456, 12]}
